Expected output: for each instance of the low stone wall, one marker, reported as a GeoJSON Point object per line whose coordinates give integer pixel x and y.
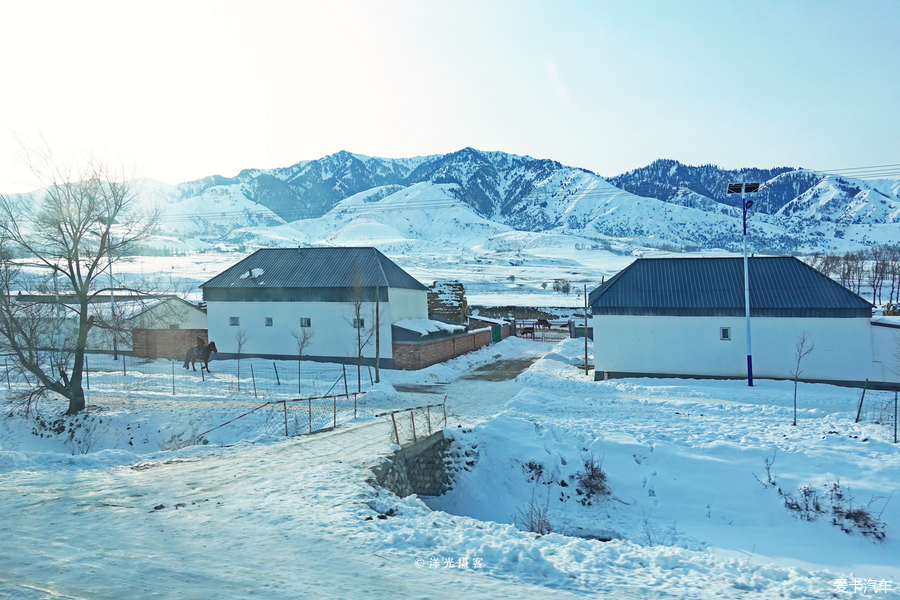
{"type": "Point", "coordinates": [417, 469]}
{"type": "Point", "coordinates": [418, 355]}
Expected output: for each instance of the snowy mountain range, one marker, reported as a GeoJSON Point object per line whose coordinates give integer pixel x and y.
{"type": "Point", "coordinates": [477, 199]}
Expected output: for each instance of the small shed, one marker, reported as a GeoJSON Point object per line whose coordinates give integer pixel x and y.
{"type": "Point", "coordinates": [685, 317]}
{"type": "Point", "coordinates": [166, 327]}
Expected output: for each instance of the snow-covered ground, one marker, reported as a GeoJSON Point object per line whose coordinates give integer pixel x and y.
{"type": "Point", "coordinates": [690, 514]}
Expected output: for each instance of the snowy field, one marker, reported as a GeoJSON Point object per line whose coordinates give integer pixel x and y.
{"type": "Point", "coordinates": [115, 505]}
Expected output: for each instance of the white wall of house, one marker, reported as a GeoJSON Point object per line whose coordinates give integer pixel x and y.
{"type": "Point", "coordinates": [693, 345]}
{"type": "Point", "coordinates": [331, 322]}
{"type": "Point", "coordinates": [407, 304]}
{"type": "Point", "coordinates": [886, 349]}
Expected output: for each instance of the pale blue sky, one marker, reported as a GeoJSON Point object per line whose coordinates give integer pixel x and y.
{"type": "Point", "coordinates": [188, 89]}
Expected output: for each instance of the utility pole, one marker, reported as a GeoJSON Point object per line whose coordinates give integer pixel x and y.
{"type": "Point", "coordinates": [585, 331]}
{"type": "Point", "coordinates": [743, 189]}
{"type": "Point", "coordinates": [377, 317]}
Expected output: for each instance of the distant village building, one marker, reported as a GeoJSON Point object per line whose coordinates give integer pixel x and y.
{"type": "Point", "coordinates": [273, 296]}
{"type": "Point", "coordinates": [685, 317]}
{"type": "Point", "coordinates": [176, 321]}
{"type": "Point", "coordinates": [166, 327]}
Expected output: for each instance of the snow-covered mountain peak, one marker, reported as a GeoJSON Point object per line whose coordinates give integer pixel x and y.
{"type": "Point", "coordinates": [480, 193]}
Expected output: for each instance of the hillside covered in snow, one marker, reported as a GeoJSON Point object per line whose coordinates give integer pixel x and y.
{"type": "Point", "coordinates": [468, 198]}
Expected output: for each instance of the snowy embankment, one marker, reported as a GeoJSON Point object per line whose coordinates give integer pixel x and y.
{"type": "Point", "coordinates": [691, 507]}
{"type": "Point", "coordinates": [690, 512]}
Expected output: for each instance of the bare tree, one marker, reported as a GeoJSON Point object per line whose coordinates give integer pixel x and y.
{"type": "Point", "coordinates": [562, 285]}
{"type": "Point", "coordinates": [877, 271]}
{"type": "Point", "coordinates": [364, 322]}
{"type": "Point", "coordinates": [303, 337]}
{"type": "Point", "coordinates": [803, 348]}
{"type": "Point", "coordinates": [63, 241]}
{"type": "Point", "coordinates": [831, 265]}
{"type": "Point", "coordinates": [893, 272]}
{"type": "Point", "coordinates": [240, 337]}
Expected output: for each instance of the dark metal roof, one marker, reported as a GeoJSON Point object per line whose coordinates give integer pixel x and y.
{"type": "Point", "coordinates": [779, 287]}
{"type": "Point", "coordinates": [320, 268]}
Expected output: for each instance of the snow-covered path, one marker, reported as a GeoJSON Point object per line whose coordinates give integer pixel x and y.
{"type": "Point", "coordinates": [283, 520]}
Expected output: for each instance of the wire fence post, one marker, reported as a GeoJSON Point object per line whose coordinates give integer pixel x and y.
{"type": "Point", "coordinates": [895, 416]}
{"type": "Point", "coordinates": [284, 402]}
{"type": "Point", "coordinates": [253, 377]}
{"type": "Point", "coordinates": [354, 406]}
{"type": "Point", "coordinates": [309, 401]}
{"type": "Point", "coordinates": [173, 377]}
{"type": "Point", "coordinates": [413, 420]}
{"type": "Point", "coordinates": [396, 434]}
{"type": "Point", "coordinates": [346, 391]}
{"type": "Point", "coordinates": [87, 372]}
{"type": "Point", "coordinates": [863, 397]}
{"type": "Point", "coordinates": [335, 410]}
{"type": "Point", "coordinates": [277, 379]}
{"type": "Point", "coordinates": [124, 370]}
{"type": "Point", "coordinates": [444, 405]}
{"type": "Point", "coordinates": [428, 417]}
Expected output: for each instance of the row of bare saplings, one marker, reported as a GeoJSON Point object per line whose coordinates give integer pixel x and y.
{"type": "Point", "coordinates": [877, 267]}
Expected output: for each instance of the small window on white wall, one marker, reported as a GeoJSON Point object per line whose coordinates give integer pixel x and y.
{"type": "Point", "coordinates": [359, 323]}
{"type": "Point", "coordinates": [268, 321]}
{"type": "Point", "coordinates": [305, 322]}
{"type": "Point", "coordinates": [234, 321]}
{"type": "Point", "coordinates": [725, 334]}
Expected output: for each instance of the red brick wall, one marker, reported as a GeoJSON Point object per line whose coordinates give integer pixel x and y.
{"type": "Point", "coordinates": [164, 343]}
{"type": "Point", "coordinates": [418, 355]}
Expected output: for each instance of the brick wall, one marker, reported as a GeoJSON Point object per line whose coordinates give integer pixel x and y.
{"type": "Point", "coordinates": [164, 343]}
{"type": "Point", "coordinates": [418, 355]}
{"type": "Point", "coordinates": [476, 323]}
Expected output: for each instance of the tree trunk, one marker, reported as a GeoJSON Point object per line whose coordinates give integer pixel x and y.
{"type": "Point", "coordinates": [76, 402]}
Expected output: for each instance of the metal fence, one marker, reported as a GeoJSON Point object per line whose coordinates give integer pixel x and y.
{"type": "Point", "coordinates": [412, 424]}
{"type": "Point", "coordinates": [542, 330]}
{"type": "Point", "coordinates": [299, 416]}
{"type": "Point", "coordinates": [245, 379]}
{"type": "Point", "coordinates": [880, 408]}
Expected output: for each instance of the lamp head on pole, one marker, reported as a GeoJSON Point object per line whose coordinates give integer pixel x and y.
{"type": "Point", "coordinates": [743, 188]}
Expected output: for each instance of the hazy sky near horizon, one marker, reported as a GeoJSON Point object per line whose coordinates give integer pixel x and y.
{"type": "Point", "coordinates": [193, 88]}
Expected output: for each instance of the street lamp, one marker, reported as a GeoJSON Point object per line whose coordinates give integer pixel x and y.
{"type": "Point", "coordinates": [743, 189]}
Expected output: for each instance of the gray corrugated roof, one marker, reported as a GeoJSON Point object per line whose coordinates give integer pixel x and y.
{"type": "Point", "coordinates": [779, 286]}
{"type": "Point", "coordinates": [314, 268]}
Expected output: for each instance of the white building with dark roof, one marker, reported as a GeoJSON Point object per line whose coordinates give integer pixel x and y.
{"type": "Point", "coordinates": [685, 317]}
{"type": "Point", "coordinates": [274, 295]}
